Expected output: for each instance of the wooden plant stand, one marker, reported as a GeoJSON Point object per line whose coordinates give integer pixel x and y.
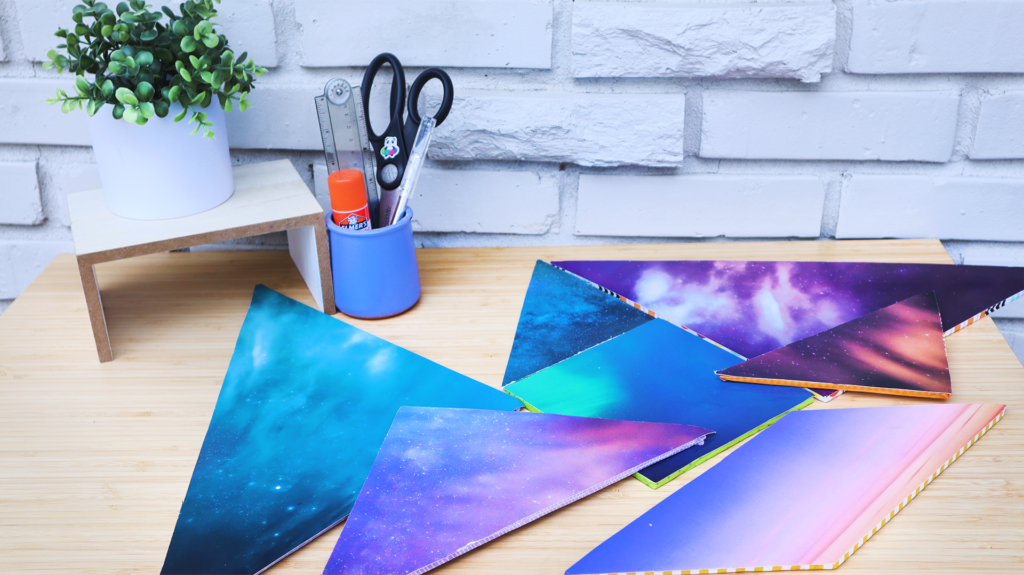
{"type": "Point", "coordinates": [269, 197]}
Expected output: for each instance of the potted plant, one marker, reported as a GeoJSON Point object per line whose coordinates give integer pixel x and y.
{"type": "Point", "coordinates": [155, 73]}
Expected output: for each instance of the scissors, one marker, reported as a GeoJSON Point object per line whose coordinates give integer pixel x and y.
{"type": "Point", "coordinates": [392, 147]}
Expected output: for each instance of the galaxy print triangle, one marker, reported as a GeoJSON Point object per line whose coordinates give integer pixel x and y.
{"type": "Point", "coordinates": [897, 350]}
{"type": "Point", "coordinates": [449, 480]}
{"type": "Point", "coordinates": [659, 372]}
{"type": "Point", "coordinates": [563, 315]}
{"type": "Point", "coordinates": [805, 494]}
{"type": "Point", "coordinates": [305, 405]}
{"type": "Point", "coordinates": [755, 307]}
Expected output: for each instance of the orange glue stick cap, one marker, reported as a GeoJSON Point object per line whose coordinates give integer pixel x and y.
{"type": "Point", "coordinates": [348, 199]}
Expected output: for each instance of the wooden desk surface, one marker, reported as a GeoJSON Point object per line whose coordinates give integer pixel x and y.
{"type": "Point", "coordinates": [95, 458]}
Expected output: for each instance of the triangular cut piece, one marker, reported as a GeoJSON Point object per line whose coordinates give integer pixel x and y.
{"type": "Point", "coordinates": [449, 480]}
{"type": "Point", "coordinates": [805, 494]}
{"type": "Point", "coordinates": [305, 405]}
{"type": "Point", "coordinates": [897, 350]}
{"type": "Point", "coordinates": [755, 307]}
{"type": "Point", "coordinates": [563, 315]}
{"type": "Point", "coordinates": [659, 372]}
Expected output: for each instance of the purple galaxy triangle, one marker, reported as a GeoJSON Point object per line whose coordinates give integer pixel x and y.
{"type": "Point", "coordinates": [449, 480]}
{"type": "Point", "coordinates": [896, 350]}
{"type": "Point", "coordinates": [755, 307]}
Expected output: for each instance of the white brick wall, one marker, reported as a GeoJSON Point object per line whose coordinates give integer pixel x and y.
{"type": "Point", "coordinates": [27, 119]}
{"type": "Point", "coordinates": [897, 126]}
{"type": "Point", "coordinates": [21, 262]}
{"type": "Point", "coordinates": [921, 206]}
{"type": "Point", "coordinates": [476, 33]}
{"type": "Point", "coordinates": [476, 201]}
{"type": "Point", "coordinates": [699, 206]}
{"type": "Point", "coordinates": [1000, 132]}
{"type": "Point", "coordinates": [708, 119]}
{"type": "Point", "coordinates": [585, 129]}
{"type": "Point", "coordinates": [684, 40]}
{"type": "Point", "coordinates": [19, 198]}
{"type": "Point", "coordinates": [248, 25]}
{"type": "Point", "coordinates": [918, 37]}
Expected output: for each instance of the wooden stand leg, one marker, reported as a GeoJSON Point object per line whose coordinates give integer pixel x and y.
{"type": "Point", "coordinates": [95, 306]}
{"type": "Point", "coordinates": [323, 252]}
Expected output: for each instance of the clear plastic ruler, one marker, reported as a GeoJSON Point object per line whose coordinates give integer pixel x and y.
{"type": "Point", "coordinates": [343, 132]}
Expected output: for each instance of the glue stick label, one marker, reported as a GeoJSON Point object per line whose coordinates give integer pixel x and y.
{"type": "Point", "coordinates": [357, 220]}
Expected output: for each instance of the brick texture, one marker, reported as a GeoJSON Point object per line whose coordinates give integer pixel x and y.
{"type": "Point", "coordinates": [699, 206]}
{"type": "Point", "coordinates": [28, 119]}
{"type": "Point", "coordinates": [480, 201]}
{"type": "Point", "coordinates": [281, 118]}
{"type": "Point", "coordinates": [22, 261]}
{"type": "Point", "coordinates": [915, 37]}
{"type": "Point", "coordinates": [1000, 131]}
{"type": "Point", "coordinates": [898, 126]}
{"type": "Point", "coordinates": [960, 208]}
{"type": "Point", "coordinates": [70, 178]}
{"type": "Point", "coordinates": [587, 129]}
{"type": "Point", "coordinates": [19, 198]}
{"type": "Point", "coordinates": [684, 40]}
{"type": "Point", "coordinates": [477, 33]}
{"type": "Point", "coordinates": [247, 24]}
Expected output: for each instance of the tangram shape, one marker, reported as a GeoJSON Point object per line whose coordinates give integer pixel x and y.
{"type": "Point", "coordinates": [305, 405]}
{"type": "Point", "coordinates": [804, 494]}
{"type": "Point", "coordinates": [755, 307]}
{"type": "Point", "coordinates": [449, 480]}
{"type": "Point", "coordinates": [659, 372]}
{"type": "Point", "coordinates": [897, 350]}
{"type": "Point", "coordinates": [563, 315]}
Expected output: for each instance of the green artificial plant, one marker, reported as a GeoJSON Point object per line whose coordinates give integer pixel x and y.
{"type": "Point", "coordinates": [126, 57]}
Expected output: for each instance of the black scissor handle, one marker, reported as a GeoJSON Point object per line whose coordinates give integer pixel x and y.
{"type": "Point", "coordinates": [397, 92]}
{"type": "Point", "coordinates": [446, 98]}
{"type": "Point", "coordinates": [391, 156]}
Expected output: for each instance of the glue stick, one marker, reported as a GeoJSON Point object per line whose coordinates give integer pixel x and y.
{"type": "Point", "coordinates": [348, 200]}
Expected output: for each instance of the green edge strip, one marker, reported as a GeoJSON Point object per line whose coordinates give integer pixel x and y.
{"type": "Point", "coordinates": [704, 457]}
{"type": "Point", "coordinates": [708, 456]}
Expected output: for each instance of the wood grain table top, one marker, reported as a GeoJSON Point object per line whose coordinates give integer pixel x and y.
{"type": "Point", "coordinates": [95, 458]}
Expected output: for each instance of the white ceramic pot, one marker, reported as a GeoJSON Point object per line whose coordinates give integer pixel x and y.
{"type": "Point", "coordinates": [160, 171]}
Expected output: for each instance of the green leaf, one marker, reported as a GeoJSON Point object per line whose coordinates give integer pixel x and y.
{"type": "Point", "coordinates": [144, 58]}
{"type": "Point", "coordinates": [211, 40]}
{"type": "Point", "coordinates": [169, 12]}
{"type": "Point", "coordinates": [64, 107]}
{"type": "Point", "coordinates": [241, 58]}
{"type": "Point", "coordinates": [162, 108]}
{"type": "Point", "coordinates": [185, 75]}
{"type": "Point", "coordinates": [116, 68]}
{"type": "Point", "coordinates": [92, 107]}
{"type": "Point", "coordinates": [149, 35]}
{"type": "Point", "coordinates": [81, 29]}
{"type": "Point", "coordinates": [218, 79]}
{"type": "Point", "coordinates": [118, 56]}
{"type": "Point", "coordinates": [131, 114]}
{"type": "Point", "coordinates": [52, 54]}
{"type": "Point", "coordinates": [147, 109]}
{"type": "Point", "coordinates": [107, 88]}
{"type": "Point", "coordinates": [122, 7]}
{"type": "Point", "coordinates": [106, 31]}
{"type": "Point", "coordinates": [181, 115]}
{"type": "Point", "coordinates": [108, 18]}
{"type": "Point", "coordinates": [188, 44]}
{"type": "Point", "coordinates": [207, 77]}
{"type": "Point", "coordinates": [61, 33]}
{"type": "Point", "coordinates": [198, 98]}
{"type": "Point", "coordinates": [195, 62]}
{"type": "Point", "coordinates": [82, 84]}
{"type": "Point", "coordinates": [179, 28]}
{"type": "Point", "coordinates": [141, 120]}
{"type": "Point", "coordinates": [125, 96]}
{"type": "Point", "coordinates": [145, 91]}
{"type": "Point", "coordinates": [118, 111]}
{"type": "Point", "coordinates": [128, 50]}
{"type": "Point", "coordinates": [60, 61]}
{"type": "Point", "coordinates": [174, 93]}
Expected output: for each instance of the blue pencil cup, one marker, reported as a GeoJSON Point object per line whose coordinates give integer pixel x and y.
{"type": "Point", "coordinates": [375, 272]}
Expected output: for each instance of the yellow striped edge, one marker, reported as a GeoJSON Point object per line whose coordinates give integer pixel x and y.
{"type": "Point", "coordinates": [858, 544]}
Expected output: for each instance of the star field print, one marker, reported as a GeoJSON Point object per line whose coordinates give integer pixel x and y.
{"type": "Point", "coordinates": [755, 307]}
{"type": "Point", "coordinates": [897, 350]}
{"type": "Point", "coordinates": [563, 315]}
{"type": "Point", "coordinates": [304, 407]}
{"type": "Point", "coordinates": [449, 480]}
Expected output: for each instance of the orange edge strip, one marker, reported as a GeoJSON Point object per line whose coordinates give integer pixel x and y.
{"type": "Point", "coordinates": [816, 384]}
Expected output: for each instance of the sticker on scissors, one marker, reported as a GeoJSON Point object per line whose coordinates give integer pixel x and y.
{"type": "Point", "coordinates": [390, 149]}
